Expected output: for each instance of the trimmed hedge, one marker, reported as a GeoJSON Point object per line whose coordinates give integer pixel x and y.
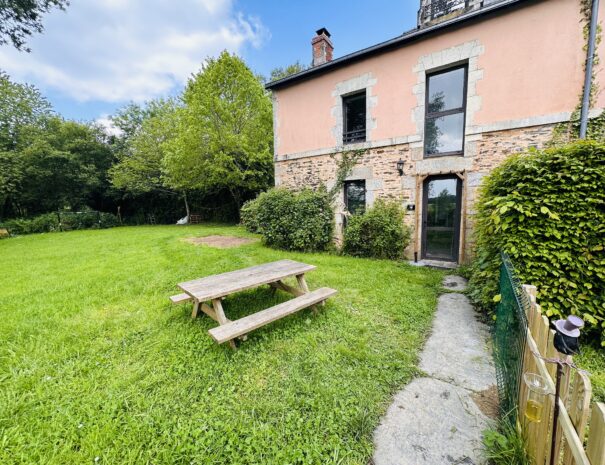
{"type": "Point", "coordinates": [291, 220]}
{"type": "Point", "coordinates": [49, 222]}
{"type": "Point", "coordinates": [547, 210]}
{"type": "Point", "coordinates": [379, 232]}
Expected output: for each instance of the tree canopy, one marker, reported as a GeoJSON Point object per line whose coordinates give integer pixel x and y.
{"type": "Point", "coordinates": [224, 137]}
{"type": "Point", "coordinates": [19, 19]}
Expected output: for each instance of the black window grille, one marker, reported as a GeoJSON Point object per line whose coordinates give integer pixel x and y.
{"type": "Point", "coordinates": [445, 112]}
{"type": "Point", "coordinates": [354, 112]}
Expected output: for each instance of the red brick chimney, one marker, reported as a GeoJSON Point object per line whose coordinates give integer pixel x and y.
{"type": "Point", "coordinates": [322, 47]}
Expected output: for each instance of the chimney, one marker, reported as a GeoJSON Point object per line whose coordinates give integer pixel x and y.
{"type": "Point", "coordinates": [322, 47]}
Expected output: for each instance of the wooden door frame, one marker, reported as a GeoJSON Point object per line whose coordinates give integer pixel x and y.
{"type": "Point", "coordinates": [457, 215]}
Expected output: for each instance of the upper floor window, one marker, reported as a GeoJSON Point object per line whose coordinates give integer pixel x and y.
{"type": "Point", "coordinates": [445, 112]}
{"type": "Point", "coordinates": [354, 113]}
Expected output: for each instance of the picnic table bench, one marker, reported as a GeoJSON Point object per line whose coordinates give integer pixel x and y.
{"type": "Point", "coordinates": [215, 288]}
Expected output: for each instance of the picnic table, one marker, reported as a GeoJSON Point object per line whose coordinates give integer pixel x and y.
{"type": "Point", "coordinates": [207, 295]}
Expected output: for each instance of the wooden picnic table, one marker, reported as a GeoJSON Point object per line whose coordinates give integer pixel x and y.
{"type": "Point", "coordinates": [213, 289]}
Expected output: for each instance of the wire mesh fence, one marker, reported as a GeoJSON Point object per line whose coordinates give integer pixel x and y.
{"type": "Point", "coordinates": [510, 332]}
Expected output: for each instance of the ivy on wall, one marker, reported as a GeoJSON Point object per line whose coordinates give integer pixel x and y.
{"type": "Point", "coordinates": [569, 131]}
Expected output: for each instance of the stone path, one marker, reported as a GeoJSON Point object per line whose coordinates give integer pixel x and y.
{"type": "Point", "coordinates": [439, 419]}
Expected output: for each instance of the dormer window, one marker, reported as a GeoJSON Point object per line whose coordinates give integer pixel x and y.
{"type": "Point", "coordinates": [354, 113]}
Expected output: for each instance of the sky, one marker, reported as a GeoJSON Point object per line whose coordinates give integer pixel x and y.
{"type": "Point", "coordinates": [98, 55]}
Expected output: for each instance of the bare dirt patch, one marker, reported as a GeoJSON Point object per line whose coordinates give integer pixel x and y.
{"type": "Point", "coordinates": [220, 242]}
{"type": "Point", "coordinates": [487, 401]}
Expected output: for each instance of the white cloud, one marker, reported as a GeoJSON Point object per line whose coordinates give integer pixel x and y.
{"type": "Point", "coordinates": [105, 122]}
{"type": "Point", "coordinates": [121, 50]}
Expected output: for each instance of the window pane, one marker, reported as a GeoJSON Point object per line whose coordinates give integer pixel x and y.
{"type": "Point", "coordinates": [446, 91]}
{"type": "Point", "coordinates": [444, 134]}
{"type": "Point", "coordinates": [355, 118]}
{"type": "Point", "coordinates": [355, 196]}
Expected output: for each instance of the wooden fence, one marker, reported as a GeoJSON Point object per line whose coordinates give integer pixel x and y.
{"type": "Point", "coordinates": [581, 426]}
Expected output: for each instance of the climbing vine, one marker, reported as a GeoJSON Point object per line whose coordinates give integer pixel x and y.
{"type": "Point", "coordinates": [570, 130]}
{"type": "Point", "coordinates": [344, 168]}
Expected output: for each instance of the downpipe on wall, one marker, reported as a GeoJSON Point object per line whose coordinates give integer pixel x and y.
{"type": "Point", "coordinates": [594, 21]}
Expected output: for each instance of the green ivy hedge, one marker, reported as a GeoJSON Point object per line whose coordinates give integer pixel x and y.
{"type": "Point", "coordinates": [379, 232]}
{"type": "Point", "coordinates": [547, 210]}
{"type": "Point", "coordinates": [291, 220]}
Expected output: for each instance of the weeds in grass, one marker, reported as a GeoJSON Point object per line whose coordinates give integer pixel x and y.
{"type": "Point", "coordinates": [505, 445]}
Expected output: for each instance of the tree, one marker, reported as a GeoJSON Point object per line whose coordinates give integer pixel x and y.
{"type": "Point", "coordinates": [23, 112]}
{"type": "Point", "coordinates": [224, 134]}
{"type": "Point", "coordinates": [145, 132]}
{"type": "Point", "coordinates": [21, 108]}
{"type": "Point", "coordinates": [281, 73]}
{"type": "Point", "coordinates": [63, 166]}
{"type": "Point", "coordinates": [21, 18]}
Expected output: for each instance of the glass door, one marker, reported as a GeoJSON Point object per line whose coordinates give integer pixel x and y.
{"type": "Point", "coordinates": [441, 218]}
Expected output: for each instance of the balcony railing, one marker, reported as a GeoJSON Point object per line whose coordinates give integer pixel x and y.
{"type": "Point", "coordinates": [351, 137]}
{"type": "Point", "coordinates": [434, 9]}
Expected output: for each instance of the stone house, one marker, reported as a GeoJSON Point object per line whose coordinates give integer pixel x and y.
{"type": "Point", "coordinates": [434, 110]}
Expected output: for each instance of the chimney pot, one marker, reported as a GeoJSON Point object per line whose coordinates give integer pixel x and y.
{"type": "Point", "coordinates": [322, 47]}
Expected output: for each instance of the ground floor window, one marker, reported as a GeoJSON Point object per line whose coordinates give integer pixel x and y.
{"type": "Point", "coordinates": [355, 196]}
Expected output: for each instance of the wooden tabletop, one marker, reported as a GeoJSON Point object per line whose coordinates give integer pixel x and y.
{"type": "Point", "coordinates": [224, 284]}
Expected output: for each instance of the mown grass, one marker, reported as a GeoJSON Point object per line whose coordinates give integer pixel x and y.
{"type": "Point", "coordinates": [592, 360]}
{"type": "Point", "coordinates": [96, 366]}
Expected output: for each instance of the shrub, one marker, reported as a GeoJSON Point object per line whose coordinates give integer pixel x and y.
{"type": "Point", "coordinates": [546, 209]}
{"type": "Point", "coordinates": [294, 221]}
{"type": "Point", "coordinates": [49, 222]}
{"type": "Point", "coordinates": [379, 232]}
{"type": "Point", "coordinates": [249, 216]}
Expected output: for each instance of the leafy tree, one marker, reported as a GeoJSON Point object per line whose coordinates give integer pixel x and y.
{"type": "Point", "coordinates": [21, 18]}
{"type": "Point", "coordinates": [63, 166]}
{"type": "Point", "coordinates": [224, 137]}
{"type": "Point", "coordinates": [281, 73]}
{"type": "Point", "coordinates": [145, 132]}
{"type": "Point", "coordinates": [21, 108]}
{"type": "Point", "coordinates": [23, 111]}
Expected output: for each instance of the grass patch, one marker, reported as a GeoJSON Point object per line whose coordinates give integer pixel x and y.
{"type": "Point", "coordinates": [592, 360]}
{"type": "Point", "coordinates": [97, 365]}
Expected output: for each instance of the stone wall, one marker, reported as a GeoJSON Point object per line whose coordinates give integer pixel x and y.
{"type": "Point", "coordinates": [378, 167]}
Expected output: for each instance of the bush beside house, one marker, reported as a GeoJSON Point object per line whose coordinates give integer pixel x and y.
{"type": "Point", "coordinates": [546, 209]}
{"type": "Point", "coordinates": [379, 232]}
{"type": "Point", "coordinates": [292, 220]}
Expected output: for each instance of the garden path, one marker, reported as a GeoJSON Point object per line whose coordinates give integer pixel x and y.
{"type": "Point", "coordinates": [439, 418]}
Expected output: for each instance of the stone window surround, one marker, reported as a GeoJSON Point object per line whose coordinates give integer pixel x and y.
{"type": "Point", "coordinates": [467, 53]}
{"type": "Point", "coordinates": [351, 86]}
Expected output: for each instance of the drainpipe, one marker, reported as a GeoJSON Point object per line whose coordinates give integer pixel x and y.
{"type": "Point", "coordinates": [594, 16]}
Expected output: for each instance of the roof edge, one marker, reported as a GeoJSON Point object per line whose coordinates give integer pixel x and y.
{"type": "Point", "coordinates": [391, 43]}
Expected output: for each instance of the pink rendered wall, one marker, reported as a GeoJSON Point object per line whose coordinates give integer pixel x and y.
{"type": "Point", "coordinates": [532, 66]}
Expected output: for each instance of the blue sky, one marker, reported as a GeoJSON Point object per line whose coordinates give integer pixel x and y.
{"type": "Point", "coordinates": [100, 54]}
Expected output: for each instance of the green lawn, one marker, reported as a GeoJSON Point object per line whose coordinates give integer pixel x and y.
{"type": "Point", "coordinates": [96, 366]}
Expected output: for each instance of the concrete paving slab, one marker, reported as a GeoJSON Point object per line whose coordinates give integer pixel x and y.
{"type": "Point", "coordinates": [435, 420]}
{"type": "Point", "coordinates": [458, 349]}
{"type": "Point", "coordinates": [455, 283]}
{"type": "Point", "coordinates": [431, 422]}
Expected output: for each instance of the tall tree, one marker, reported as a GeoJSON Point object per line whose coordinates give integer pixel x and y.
{"type": "Point", "coordinates": [140, 158]}
{"type": "Point", "coordinates": [280, 73]}
{"type": "Point", "coordinates": [23, 112]}
{"type": "Point", "coordinates": [224, 135]}
{"type": "Point", "coordinates": [64, 166]}
{"type": "Point", "coordinates": [19, 19]}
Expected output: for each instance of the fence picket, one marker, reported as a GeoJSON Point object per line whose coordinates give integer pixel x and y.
{"type": "Point", "coordinates": [521, 320]}
{"type": "Point", "coordinates": [596, 438]}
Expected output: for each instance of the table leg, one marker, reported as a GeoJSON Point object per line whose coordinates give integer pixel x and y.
{"type": "Point", "coordinates": [196, 308]}
{"type": "Point", "coordinates": [302, 283]}
{"type": "Point", "coordinates": [222, 319]}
